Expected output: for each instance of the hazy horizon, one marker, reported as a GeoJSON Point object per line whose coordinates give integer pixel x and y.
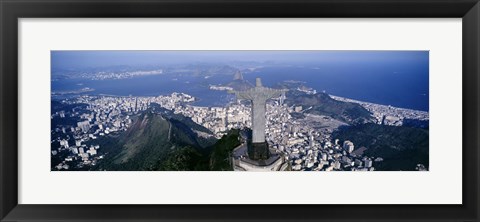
{"type": "Point", "coordinates": [106, 58]}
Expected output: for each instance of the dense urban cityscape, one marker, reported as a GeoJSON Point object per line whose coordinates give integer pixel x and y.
{"type": "Point", "coordinates": [307, 142]}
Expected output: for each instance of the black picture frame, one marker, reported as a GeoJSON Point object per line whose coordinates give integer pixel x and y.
{"type": "Point", "coordinates": [12, 10]}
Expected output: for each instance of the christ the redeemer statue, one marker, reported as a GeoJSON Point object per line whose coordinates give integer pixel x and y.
{"type": "Point", "coordinates": [259, 96]}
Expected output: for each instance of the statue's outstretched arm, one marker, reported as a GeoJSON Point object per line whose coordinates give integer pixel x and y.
{"type": "Point", "coordinates": [241, 95]}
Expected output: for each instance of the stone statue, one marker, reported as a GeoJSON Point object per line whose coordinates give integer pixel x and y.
{"type": "Point", "coordinates": [259, 96]}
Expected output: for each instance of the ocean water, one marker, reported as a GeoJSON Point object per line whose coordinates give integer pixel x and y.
{"type": "Point", "coordinates": [388, 84]}
{"type": "Point", "coordinates": [382, 84]}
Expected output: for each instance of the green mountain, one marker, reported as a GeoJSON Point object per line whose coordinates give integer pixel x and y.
{"type": "Point", "coordinates": [323, 104]}
{"type": "Point", "coordinates": [222, 150]}
{"type": "Point", "coordinates": [157, 141]}
{"type": "Point", "coordinates": [402, 148]}
{"type": "Point", "coordinates": [217, 158]}
{"type": "Point", "coordinates": [151, 139]}
{"type": "Point", "coordinates": [186, 123]}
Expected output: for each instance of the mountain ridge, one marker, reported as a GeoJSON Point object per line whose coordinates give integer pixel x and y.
{"type": "Point", "coordinates": [157, 142]}
{"type": "Point", "coordinates": [323, 104]}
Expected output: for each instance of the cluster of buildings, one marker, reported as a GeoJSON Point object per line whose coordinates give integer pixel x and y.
{"type": "Point", "coordinates": [218, 119]}
{"type": "Point", "coordinates": [173, 101]}
{"type": "Point", "coordinates": [388, 115]}
{"type": "Point", "coordinates": [307, 90]}
{"type": "Point", "coordinates": [220, 88]}
{"type": "Point", "coordinates": [93, 117]}
{"type": "Point", "coordinates": [118, 75]}
{"type": "Point", "coordinates": [333, 157]}
{"type": "Point", "coordinates": [308, 147]}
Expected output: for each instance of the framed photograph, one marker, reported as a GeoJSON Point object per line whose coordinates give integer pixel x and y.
{"type": "Point", "coordinates": [228, 110]}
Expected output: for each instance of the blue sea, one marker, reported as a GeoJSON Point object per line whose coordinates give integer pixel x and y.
{"type": "Point", "coordinates": [383, 83]}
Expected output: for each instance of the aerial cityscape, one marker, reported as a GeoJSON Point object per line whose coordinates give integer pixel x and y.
{"type": "Point", "coordinates": [239, 111]}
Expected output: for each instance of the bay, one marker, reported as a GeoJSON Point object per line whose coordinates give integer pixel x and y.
{"type": "Point", "coordinates": [387, 84]}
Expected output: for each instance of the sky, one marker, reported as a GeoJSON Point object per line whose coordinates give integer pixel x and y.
{"type": "Point", "coordinates": [106, 58]}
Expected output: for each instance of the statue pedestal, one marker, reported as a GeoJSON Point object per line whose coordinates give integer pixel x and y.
{"type": "Point", "coordinates": [258, 151]}
{"type": "Point", "coordinates": [241, 160]}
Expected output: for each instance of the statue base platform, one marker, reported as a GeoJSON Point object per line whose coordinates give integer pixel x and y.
{"type": "Point", "coordinates": [258, 151]}
{"type": "Point", "coordinates": [241, 160]}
